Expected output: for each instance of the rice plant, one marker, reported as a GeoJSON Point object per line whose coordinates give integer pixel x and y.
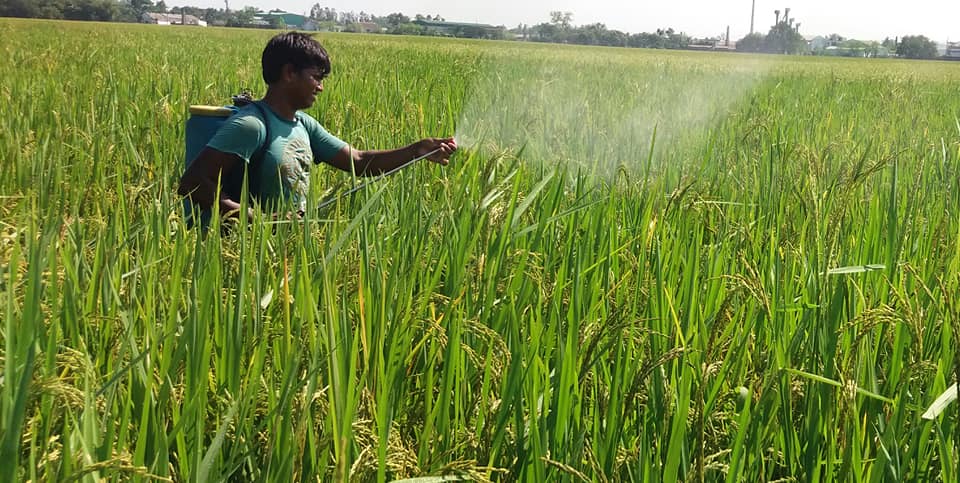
{"type": "Point", "coordinates": [643, 266]}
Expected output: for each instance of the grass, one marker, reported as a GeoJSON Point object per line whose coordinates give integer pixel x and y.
{"type": "Point", "coordinates": [649, 267]}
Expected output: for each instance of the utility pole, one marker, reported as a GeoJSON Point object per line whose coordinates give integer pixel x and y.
{"type": "Point", "coordinates": [753, 13]}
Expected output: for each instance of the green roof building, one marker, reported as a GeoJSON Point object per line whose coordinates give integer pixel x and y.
{"type": "Point", "coordinates": [290, 20]}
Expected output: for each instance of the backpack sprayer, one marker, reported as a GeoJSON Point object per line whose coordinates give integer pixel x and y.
{"type": "Point", "coordinates": [201, 126]}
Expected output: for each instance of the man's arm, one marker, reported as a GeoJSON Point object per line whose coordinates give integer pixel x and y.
{"type": "Point", "coordinates": [375, 162]}
{"type": "Point", "coordinates": [200, 180]}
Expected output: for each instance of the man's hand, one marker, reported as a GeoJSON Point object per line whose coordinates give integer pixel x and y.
{"type": "Point", "coordinates": [446, 147]}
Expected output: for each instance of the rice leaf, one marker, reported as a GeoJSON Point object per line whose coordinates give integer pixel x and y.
{"type": "Point", "coordinates": [856, 269]}
{"type": "Point", "coordinates": [938, 406]}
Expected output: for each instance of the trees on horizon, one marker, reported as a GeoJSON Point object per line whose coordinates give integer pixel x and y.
{"type": "Point", "coordinates": [782, 38]}
{"type": "Point", "coordinates": [917, 47]}
{"type": "Point", "coordinates": [560, 29]}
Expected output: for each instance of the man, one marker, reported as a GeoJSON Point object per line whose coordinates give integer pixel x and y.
{"type": "Point", "coordinates": [294, 66]}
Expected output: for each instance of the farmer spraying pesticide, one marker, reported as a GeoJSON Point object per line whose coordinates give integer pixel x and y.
{"type": "Point", "coordinates": [273, 144]}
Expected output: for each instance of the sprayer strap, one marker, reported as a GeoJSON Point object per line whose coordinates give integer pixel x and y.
{"type": "Point", "coordinates": [262, 150]}
{"type": "Point", "coordinates": [253, 180]}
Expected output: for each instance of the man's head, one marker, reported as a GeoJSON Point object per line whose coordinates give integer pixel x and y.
{"type": "Point", "coordinates": [294, 65]}
{"type": "Point", "coordinates": [296, 49]}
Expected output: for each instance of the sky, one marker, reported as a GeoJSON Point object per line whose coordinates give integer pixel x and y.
{"type": "Point", "coordinates": [859, 19]}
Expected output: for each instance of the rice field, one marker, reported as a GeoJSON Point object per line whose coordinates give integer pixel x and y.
{"type": "Point", "coordinates": [642, 266]}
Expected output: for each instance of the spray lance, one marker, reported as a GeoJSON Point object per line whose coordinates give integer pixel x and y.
{"type": "Point", "coordinates": [336, 197]}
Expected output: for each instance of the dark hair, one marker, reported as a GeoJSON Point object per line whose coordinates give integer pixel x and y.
{"type": "Point", "coordinates": [296, 48]}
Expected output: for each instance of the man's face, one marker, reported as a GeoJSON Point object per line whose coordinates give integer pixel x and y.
{"type": "Point", "coordinates": [306, 85]}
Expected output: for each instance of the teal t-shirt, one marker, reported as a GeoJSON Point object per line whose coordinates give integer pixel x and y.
{"type": "Point", "coordinates": [284, 172]}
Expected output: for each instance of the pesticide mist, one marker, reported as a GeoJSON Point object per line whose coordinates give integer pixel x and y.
{"type": "Point", "coordinates": [601, 114]}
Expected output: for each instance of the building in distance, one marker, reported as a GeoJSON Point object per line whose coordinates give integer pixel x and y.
{"type": "Point", "coordinates": [288, 20]}
{"type": "Point", "coordinates": [952, 51]}
{"type": "Point", "coordinates": [172, 19]}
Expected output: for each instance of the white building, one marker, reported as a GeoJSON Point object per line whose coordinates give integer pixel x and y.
{"type": "Point", "coordinates": [172, 19]}
{"type": "Point", "coordinates": [952, 51]}
{"type": "Point", "coordinates": [817, 43]}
